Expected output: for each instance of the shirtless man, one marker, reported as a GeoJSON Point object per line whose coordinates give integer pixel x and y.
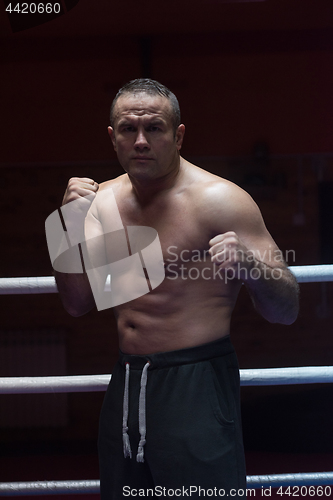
{"type": "Point", "coordinates": [177, 368]}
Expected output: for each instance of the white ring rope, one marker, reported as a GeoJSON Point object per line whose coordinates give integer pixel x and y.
{"type": "Point", "coordinates": [49, 488]}
{"type": "Point", "coordinates": [47, 284]}
{"type": "Point", "coordinates": [18, 286]}
{"type": "Point", "coordinates": [92, 486]}
{"type": "Point", "coordinates": [43, 385]}
{"type": "Point", "coordinates": [311, 274]}
{"type": "Point", "coordinates": [287, 376]}
{"type": "Point", "coordinates": [299, 479]}
{"type": "Point", "coordinates": [99, 383]}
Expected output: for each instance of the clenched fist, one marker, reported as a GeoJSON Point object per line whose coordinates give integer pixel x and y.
{"type": "Point", "coordinates": [79, 195]}
{"type": "Point", "coordinates": [230, 254]}
{"type": "Point", "coordinates": [79, 187]}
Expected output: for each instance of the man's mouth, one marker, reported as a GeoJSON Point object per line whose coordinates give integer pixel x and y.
{"type": "Point", "coordinates": [142, 158]}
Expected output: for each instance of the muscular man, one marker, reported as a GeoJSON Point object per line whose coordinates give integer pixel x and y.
{"type": "Point", "coordinates": [171, 416]}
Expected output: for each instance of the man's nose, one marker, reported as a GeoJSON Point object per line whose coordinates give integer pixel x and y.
{"type": "Point", "coordinates": [141, 140]}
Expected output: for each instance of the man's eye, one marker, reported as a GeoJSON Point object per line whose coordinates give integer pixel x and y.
{"type": "Point", "coordinates": [154, 128]}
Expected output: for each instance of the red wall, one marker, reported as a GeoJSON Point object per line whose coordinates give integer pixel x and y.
{"type": "Point", "coordinates": [56, 94]}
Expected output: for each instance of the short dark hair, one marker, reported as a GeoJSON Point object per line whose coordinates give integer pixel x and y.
{"type": "Point", "coordinates": [150, 87]}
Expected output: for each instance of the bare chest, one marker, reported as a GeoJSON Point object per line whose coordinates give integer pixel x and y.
{"type": "Point", "coordinates": [180, 233]}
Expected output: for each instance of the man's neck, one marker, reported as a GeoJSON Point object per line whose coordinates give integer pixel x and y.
{"type": "Point", "coordinates": [147, 189]}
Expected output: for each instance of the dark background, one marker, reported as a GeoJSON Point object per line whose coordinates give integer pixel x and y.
{"type": "Point", "coordinates": [254, 81]}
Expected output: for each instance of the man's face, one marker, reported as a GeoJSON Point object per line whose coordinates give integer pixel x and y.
{"type": "Point", "coordinates": [143, 136]}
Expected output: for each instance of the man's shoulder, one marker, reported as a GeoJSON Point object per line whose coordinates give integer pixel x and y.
{"type": "Point", "coordinates": [219, 203]}
{"type": "Point", "coordinates": [211, 189]}
{"type": "Point", "coordinates": [105, 200]}
{"type": "Point", "coordinates": [115, 183]}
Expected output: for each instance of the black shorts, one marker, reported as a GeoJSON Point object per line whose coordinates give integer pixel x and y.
{"type": "Point", "coordinates": [188, 436]}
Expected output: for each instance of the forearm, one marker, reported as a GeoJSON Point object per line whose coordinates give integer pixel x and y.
{"type": "Point", "coordinates": [75, 292]}
{"type": "Point", "coordinates": [274, 292]}
{"type": "Point", "coordinates": [65, 237]}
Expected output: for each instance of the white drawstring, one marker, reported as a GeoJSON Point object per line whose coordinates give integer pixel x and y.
{"type": "Point", "coordinates": [142, 414]}
{"type": "Point", "coordinates": [126, 441]}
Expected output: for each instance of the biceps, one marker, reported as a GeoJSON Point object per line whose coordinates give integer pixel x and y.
{"type": "Point", "coordinates": [258, 240]}
{"type": "Point", "coordinates": [264, 249]}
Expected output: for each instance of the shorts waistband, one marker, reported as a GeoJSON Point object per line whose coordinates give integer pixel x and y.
{"type": "Point", "coordinates": [215, 349]}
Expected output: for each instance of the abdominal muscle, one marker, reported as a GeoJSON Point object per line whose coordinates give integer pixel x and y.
{"type": "Point", "coordinates": [176, 315]}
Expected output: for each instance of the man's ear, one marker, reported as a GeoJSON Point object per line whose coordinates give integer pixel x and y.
{"type": "Point", "coordinates": [180, 132]}
{"type": "Point", "coordinates": [112, 137]}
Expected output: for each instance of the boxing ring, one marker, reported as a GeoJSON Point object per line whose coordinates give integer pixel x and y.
{"type": "Point", "coordinates": [95, 383]}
